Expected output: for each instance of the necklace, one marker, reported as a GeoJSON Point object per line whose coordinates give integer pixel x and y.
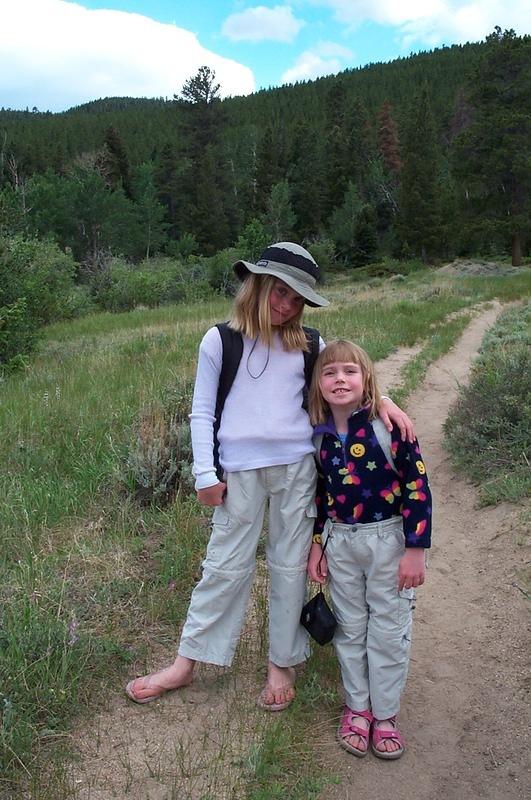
{"type": "Point", "coordinates": [247, 365]}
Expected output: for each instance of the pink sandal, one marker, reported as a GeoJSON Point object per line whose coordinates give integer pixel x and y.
{"type": "Point", "coordinates": [347, 729]}
{"type": "Point", "coordinates": [378, 736]}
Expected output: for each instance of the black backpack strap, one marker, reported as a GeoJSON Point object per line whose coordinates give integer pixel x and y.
{"type": "Point", "coordinates": [232, 349]}
{"type": "Point", "coordinates": [310, 357]}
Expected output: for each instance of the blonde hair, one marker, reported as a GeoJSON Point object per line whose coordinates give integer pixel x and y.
{"type": "Point", "coordinates": [251, 314]}
{"type": "Point", "coordinates": [348, 353]}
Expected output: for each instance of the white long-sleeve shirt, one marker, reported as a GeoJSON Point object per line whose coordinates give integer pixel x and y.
{"type": "Point", "coordinates": [263, 423]}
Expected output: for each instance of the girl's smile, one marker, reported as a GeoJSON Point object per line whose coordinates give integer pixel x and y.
{"type": "Point", "coordinates": [284, 303]}
{"type": "Point", "coordinates": [341, 384]}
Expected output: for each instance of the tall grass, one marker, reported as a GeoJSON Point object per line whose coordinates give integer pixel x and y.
{"type": "Point", "coordinates": [488, 431]}
{"type": "Point", "coordinates": [85, 572]}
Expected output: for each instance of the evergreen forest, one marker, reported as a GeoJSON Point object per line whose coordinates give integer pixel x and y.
{"type": "Point", "coordinates": [123, 201]}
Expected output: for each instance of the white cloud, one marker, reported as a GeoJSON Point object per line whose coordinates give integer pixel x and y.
{"type": "Point", "coordinates": [468, 21]}
{"type": "Point", "coordinates": [260, 23]}
{"type": "Point", "coordinates": [56, 54]}
{"type": "Point", "coordinates": [435, 21]}
{"type": "Point", "coordinates": [326, 58]}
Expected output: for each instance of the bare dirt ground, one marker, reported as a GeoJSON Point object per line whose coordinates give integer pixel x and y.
{"type": "Point", "coordinates": [464, 713]}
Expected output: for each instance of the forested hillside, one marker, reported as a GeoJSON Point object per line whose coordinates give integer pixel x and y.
{"type": "Point", "coordinates": [425, 157]}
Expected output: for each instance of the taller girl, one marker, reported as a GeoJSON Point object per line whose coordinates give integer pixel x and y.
{"type": "Point", "coordinates": [265, 456]}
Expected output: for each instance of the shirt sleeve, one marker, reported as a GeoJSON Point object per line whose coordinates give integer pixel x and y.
{"type": "Point", "coordinates": [416, 496]}
{"type": "Point", "coordinates": [204, 407]}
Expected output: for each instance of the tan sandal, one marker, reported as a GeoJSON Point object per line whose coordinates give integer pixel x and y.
{"type": "Point", "coordinates": [130, 692]}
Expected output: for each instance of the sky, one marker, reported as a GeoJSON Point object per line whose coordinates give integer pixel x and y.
{"type": "Point", "coordinates": [56, 54]}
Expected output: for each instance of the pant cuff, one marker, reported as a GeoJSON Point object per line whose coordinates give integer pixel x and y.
{"type": "Point", "coordinates": [206, 657]}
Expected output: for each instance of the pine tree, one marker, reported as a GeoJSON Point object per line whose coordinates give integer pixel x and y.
{"type": "Point", "coordinates": [388, 139]}
{"type": "Point", "coordinates": [279, 219]}
{"type": "Point", "coordinates": [204, 180]}
{"type": "Point", "coordinates": [168, 180]}
{"type": "Point", "coordinates": [150, 212]}
{"type": "Point", "coordinates": [419, 218]}
{"type": "Point", "coordinates": [306, 177]}
{"type": "Point", "coordinates": [116, 163]}
{"type": "Point", "coordinates": [207, 220]}
{"type": "Point", "coordinates": [270, 162]}
{"type": "Point", "coordinates": [360, 147]}
{"type": "Point", "coordinates": [336, 148]}
{"type": "Point", "coordinates": [491, 156]}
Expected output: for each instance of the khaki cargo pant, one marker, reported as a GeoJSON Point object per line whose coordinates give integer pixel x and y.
{"type": "Point", "coordinates": [219, 601]}
{"type": "Point", "coordinates": [373, 637]}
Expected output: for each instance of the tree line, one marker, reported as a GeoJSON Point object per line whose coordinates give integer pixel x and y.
{"type": "Point", "coordinates": [425, 157]}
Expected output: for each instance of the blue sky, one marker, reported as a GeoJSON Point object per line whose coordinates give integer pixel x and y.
{"type": "Point", "coordinates": [55, 54]}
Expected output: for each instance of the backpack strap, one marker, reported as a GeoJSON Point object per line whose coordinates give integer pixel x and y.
{"type": "Point", "coordinates": [310, 357]}
{"type": "Point", "coordinates": [317, 441]}
{"type": "Point", "coordinates": [232, 349]}
{"type": "Point", "coordinates": [381, 433]}
{"type": "Point", "coordinates": [384, 440]}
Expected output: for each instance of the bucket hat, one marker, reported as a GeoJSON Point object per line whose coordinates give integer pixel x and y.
{"type": "Point", "coordinates": [292, 264]}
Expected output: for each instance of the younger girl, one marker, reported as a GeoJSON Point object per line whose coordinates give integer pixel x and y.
{"type": "Point", "coordinates": [374, 517]}
{"type": "Point", "coordinates": [265, 457]}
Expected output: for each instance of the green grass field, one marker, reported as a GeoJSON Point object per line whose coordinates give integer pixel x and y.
{"type": "Point", "coordinates": [81, 559]}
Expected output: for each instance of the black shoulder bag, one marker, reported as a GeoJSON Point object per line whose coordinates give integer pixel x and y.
{"type": "Point", "coordinates": [317, 616]}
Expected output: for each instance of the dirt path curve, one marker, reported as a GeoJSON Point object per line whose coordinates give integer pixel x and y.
{"type": "Point", "coordinates": [464, 710]}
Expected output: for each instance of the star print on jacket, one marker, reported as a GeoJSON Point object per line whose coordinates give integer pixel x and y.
{"type": "Point", "coordinates": [356, 483]}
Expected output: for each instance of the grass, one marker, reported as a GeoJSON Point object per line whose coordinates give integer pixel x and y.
{"type": "Point", "coordinates": [289, 762]}
{"type": "Point", "coordinates": [439, 343]}
{"type": "Point", "coordinates": [488, 430]}
{"type": "Point", "coordinates": [85, 571]}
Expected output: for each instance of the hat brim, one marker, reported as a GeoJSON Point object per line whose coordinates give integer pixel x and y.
{"type": "Point", "coordinates": [311, 298]}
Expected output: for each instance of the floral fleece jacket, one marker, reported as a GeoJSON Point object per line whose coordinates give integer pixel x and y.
{"type": "Point", "coordinates": [356, 484]}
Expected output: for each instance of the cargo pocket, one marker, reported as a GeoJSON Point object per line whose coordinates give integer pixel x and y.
{"type": "Point", "coordinates": [406, 604]}
{"type": "Point", "coordinates": [221, 530]}
{"type": "Point", "coordinates": [220, 517]}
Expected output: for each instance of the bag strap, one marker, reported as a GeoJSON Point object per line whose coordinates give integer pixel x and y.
{"type": "Point", "coordinates": [384, 440]}
{"type": "Point", "coordinates": [310, 357]}
{"type": "Point", "coordinates": [232, 349]}
{"type": "Point", "coordinates": [322, 554]}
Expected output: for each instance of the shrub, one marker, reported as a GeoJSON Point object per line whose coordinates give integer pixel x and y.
{"type": "Point", "coordinates": [253, 240]}
{"type": "Point", "coordinates": [78, 302]}
{"type": "Point", "coordinates": [38, 271]}
{"type": "Point", "coordinates": [183, 248]}
{"type": "Point", "coordinates": [487, 431]}
{"type": "Point", "coordinates": [123, 286]}
{"type": "Point", "coordinates": [158, 462]}
{"type": "Point", "coordinates": [18, 334]}
{"type": "Point", "coordinates": [220, 273]}
{"type": "Point", "coordinates": [324, 252]}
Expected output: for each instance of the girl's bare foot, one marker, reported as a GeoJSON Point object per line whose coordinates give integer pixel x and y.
{"type": "Point", "coordinates": [152, 686]}
{"type": "Point", "coordinates": [279, 691]}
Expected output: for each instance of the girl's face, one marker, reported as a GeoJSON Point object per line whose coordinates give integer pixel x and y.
{"type": "Point", "coordinates": [341, 385]}
{"type": "Point", "coordinates": [284, 303]}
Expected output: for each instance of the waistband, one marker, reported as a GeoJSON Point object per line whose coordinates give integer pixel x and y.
{"type": "Point", "coordinates": [367, 527]}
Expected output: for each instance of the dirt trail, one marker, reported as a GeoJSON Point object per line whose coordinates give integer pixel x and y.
{"type": "Point", "coordinates": [463, 712]}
